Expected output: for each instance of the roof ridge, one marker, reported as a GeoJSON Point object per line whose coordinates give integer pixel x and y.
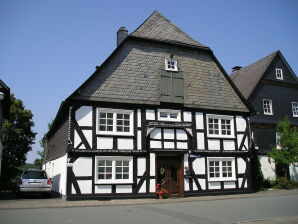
{"type": "Point", "coordinates": [156, 26]}
{"type": "Point", "coordinates": [258, 61]}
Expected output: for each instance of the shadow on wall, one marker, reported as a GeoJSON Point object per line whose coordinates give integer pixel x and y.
{"type": "Point", "coordinates": [56, 183]}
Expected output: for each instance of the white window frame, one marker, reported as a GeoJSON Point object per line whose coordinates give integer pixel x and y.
{"type": "Point", "coordinates": [270, 106]}
{"type": "Point", "coordinates": [296, 109]}
{"type": "Point", "coordinates": [220, 117]}
{"type": "Point", "coordinates": [114, 180]}
{"type": "Point", "coordinates": [115, 112]}
{"type": "Point", "coordinates": [175, 69]}
{"type": "Point", "coordinates": [220, 160]}
{"type": "Point", "coordinates": [168, 118]}
{"type": "Point", "coordinates": [279, 72]}
{"type": "Point", "coordinates": [277, 138]}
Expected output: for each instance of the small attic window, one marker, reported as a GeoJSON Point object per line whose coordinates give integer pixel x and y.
{"type": "Point", "coordinates": [279, 73]}
{"type": "Point", "coordinates": [171, 64]}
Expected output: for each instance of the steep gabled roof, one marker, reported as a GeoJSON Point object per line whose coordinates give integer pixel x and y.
{"type": "Point", "coordinates": [157, 27]}
{"type": "Point", "coordinates": [247, 78]}
{"type": "Point", "coordinates": [137, 64]}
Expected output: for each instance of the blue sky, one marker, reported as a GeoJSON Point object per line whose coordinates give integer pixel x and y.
{"type": "Point", "coordinates": [48, 48]}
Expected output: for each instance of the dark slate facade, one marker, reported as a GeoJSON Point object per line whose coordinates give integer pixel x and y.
{"type": "Point", "coordinates": [257, 82]}
{"type": "Point", "coordinates": [4, 112]}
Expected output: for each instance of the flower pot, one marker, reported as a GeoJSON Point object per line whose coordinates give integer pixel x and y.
{"type": "Point", "coordinates": [160, 196]}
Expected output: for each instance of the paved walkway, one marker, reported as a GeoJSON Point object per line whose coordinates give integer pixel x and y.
{"type": "Point", "coordinates": [59, 203]}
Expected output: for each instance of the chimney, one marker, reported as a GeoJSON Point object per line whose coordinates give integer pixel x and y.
{"type": "Point", "coordinates": [122, 33]}
{"type": "Point", "coordinates": [236, 68]}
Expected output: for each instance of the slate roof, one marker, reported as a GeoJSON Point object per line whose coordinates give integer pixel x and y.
{"type": "Point", "coordinates": [157, 27]}
{"type": "Point", "coordinates": [247, 78]}
{"type": "Point", "coordinates": [132, 72]}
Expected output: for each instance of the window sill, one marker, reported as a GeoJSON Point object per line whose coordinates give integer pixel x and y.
{"type": "Point", "coordinates": [221, 180]}
{"type": "Point", "coordinates": [118, 183]}
{"type": "Point", "coordinates": [268, 114]}
{"type": "Point", "coordinates": [221, 136]}
{"type": "Point", "coordinates": [115, 133]}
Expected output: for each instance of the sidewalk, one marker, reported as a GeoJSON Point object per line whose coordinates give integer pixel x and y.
{"type": "Point", "coordinates": [59, 203]}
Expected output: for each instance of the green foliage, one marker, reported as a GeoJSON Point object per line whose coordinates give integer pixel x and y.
{"type": "Point", "coordinates": [18, 137]}
{"type": "Point", "coordinates": [288, 151]}
{"type": "Point", "coordinates": [38, 162]}
{"type": "Point", "coordinates": [257, 174]}
{"type": "Point", "coordinates": [279, 183]}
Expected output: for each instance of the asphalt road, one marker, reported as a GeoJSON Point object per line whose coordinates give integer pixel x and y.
{"type": "Point", "coordinates": [275, 209]}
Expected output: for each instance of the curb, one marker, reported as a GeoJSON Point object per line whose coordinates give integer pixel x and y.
{"type": "Point", "coordinates": [60, 203]}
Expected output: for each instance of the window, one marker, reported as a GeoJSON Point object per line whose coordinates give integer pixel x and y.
{"type": "Point", "coordinates": [267, 107]}
{"type": "Point", "coordinates": [169, 115]}
{"type": "Point", "coordinates": [171, 65]}
{"type": "Point", "coordinates": [114, 122]}
{"type": "Point", "coordinates": [278, 135]}
{"type": "Point", "coordinates": [279, 74]}
{"type": "Point", "coordinates": [113, 169]}
{"type": "Point", "coordinates": [295, 109]}
{"type": "Point", "coordinates": [220, 126]}
{"type": "Point", "coordinates": [221, 169]}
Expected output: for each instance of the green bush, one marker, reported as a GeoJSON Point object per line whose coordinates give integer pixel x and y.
{"type": "Point", "coordinates": [267, 184]}
{"type": "Point", "coordinates": [282, 183]}
{"type": "Point", "coordinates": [279, 183]}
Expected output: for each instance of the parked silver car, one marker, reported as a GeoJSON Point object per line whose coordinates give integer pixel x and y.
{"type": "Point", "coordinates": [34, 181]}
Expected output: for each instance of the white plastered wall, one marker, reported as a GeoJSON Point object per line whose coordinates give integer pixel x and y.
{"type": "Point", "coordinates": [56, 169]}
{"type": "Point", "coordinates": [267, 167]}
{"type": "Point", "coordinates": [294, 172]}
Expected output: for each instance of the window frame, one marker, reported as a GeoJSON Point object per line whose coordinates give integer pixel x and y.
{"type": "Point", "coordinates": [281, 73]}
{"type": "Point", "coordinates": [168, 118]}
{"type": "Point", "coordinates": [220, 118]}
{"type": "Point", "coordinates": [114, 180]}
{"type": "Point", "coordinates": [175, 69]}
{"type": "Point", "coordinates": [115, 112]}
{"type": "Point", "coordinates": [270, 106]}
{"type": "Point", "coordinates": [220, 160]}
{"type": "Point", "coordinates": [296, 107]}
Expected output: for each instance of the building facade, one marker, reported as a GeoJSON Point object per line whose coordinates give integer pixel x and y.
{"type": "Point", "coordinates": [160, 110]}
{"type": "Point", "coordinates": [4, 112]}
{"type": "Point", "coordinates": [271, 86]}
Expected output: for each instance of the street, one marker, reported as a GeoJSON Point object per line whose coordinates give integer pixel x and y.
{"type": "Point", "coordinates": [265, 209]}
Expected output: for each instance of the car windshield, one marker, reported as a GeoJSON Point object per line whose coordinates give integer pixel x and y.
{"type": "Point", "coordinates": [34, 174]}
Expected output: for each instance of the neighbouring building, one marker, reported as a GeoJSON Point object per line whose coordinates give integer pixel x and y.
{"type": "Point", "coordinates": [160, 110]}
{"type": "Point", "coordinates": [4, 112]}
{"type": "Point", "coordinates": [271, 87]}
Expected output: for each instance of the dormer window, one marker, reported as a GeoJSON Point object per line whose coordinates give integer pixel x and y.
{"type": "Point", "coordinates": [171, 64]}
{"type": "Point", "coordinates": [279, 74]}
{"type": "Point", "coordinates": [169, 115]}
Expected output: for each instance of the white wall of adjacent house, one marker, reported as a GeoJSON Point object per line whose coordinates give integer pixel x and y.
{"type": "Point", "coordinates": [294, 172]}
{"type": "Point", "coordinates": [267, 167]}
{"type": "Point", "coordinates": [56, 169]}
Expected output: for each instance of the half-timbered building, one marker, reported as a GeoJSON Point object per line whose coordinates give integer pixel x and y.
{"type": "Point", "coordinates": [159, 110]}
{"type": "Point", "coordinates": [271, 87]}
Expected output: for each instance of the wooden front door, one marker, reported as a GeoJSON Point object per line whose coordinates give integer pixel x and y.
{"type": "Point", "coordinates": [170, 174]}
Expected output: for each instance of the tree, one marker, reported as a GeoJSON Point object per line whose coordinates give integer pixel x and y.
{"type": "Point", "coordinates": [38, 162]}
{"type": "Point", "coordinates": [256, 172]}
{"type": "Point", "coordinates": [18, 138]}
{"type": "Point", "coordinates": [287, 153]}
